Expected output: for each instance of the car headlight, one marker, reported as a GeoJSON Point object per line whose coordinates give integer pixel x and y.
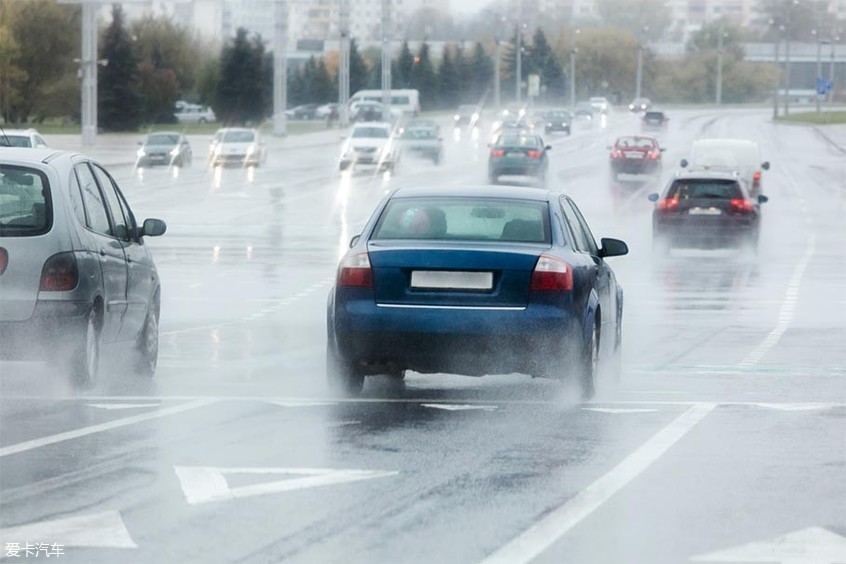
{"type": "Point", "coordinates": [174, 152]}
{"type": "Point", "coordinates": [141, 152]}
{"type": "Point", "coordinates": [250, 149]}
{"type": "Point", "coordinates": [475, 117]}
{"type": "Point", "coordinates": [456, 117]}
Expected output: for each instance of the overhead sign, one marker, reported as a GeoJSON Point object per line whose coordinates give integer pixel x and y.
{"type": "Point", "coordinates": [203, 484]}
{"type": "Point", "coordinates": [534, 85]}
{"type": "Point", "coordinates": [813, 545]}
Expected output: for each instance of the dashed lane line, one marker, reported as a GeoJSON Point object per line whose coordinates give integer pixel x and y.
{"type": "Point", "coordinates": [108, 426]}
{"type": "Point", "coordinates": [545, 532]}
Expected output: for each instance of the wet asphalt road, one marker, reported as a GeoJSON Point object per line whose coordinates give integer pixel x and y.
{"type": "Point", "coordinates": [723, 442]}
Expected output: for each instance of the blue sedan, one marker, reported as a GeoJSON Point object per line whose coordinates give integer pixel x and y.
{"type": "Point", "coordinates": [481, 280]}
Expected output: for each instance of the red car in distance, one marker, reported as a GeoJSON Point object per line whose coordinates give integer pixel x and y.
{"type": "Point", "coordinates": [635, 154]}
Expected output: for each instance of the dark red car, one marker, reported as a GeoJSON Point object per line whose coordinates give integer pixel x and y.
{"type": "Point", "coordinates": [635, 154]}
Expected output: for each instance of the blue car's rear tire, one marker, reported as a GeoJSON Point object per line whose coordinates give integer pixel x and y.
{"type": "Point", "coordinates": [586, 376]}
{"type": "Point", "coordinates": [342, 376]}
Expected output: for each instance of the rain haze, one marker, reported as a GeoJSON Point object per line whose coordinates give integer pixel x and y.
{"type": "Point", "coordinates": [423, 281]}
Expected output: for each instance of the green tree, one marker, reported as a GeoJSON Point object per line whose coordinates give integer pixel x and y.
{"type": "Point", "coordinates": [708, 38]}
{"type": "Point", "coordinates": [119, 107]}
{"type": "Point", "coordinates": [167, 45]}
{"type": "Point", "coordinates": [401, 69]}
{"type": "Point", "coordinates": [359, 70]}
{"type": "Point", "coordinates": [541, 60]}
{"type": "Point", "coordinates": [482, 73]}
{"type": "Point", "coordinates": [424, 78]}
{"type": "Point", "coordinates": [509, 62]}
{"type": "Point", "coordinates": [242, 91]}
{"type": "Point", "coordinates": [789, 19]}
{"type": "Point", "coordinates": [39, 43]}
{"type": "Point", "coordinates": [449, 80]}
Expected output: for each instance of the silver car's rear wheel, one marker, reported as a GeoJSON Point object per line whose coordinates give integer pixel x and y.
{"type": "Point", "coordinates": [85, 357]}
{"type": "Point", "coordinates": [147, 346]}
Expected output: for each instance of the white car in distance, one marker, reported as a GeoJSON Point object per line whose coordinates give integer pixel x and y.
{"type": "Point", "coordinates": [237, 146]}
{"type": "Point", "coordinates": [370, 144]}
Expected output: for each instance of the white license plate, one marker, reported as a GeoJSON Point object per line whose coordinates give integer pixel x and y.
{"type": "Point", "coordinates": [446, 280]}
{"type": "Point", "coordinates": [634, 155]}
{"type": "Point", "coordinates": [517, 154]}
{"type": "Point", "coordinates": [705, 211]}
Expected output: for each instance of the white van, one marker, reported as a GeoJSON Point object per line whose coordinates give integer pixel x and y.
{"type": "Point", "coordinates": [407, 100]}
{"type": "Point", "coordinates": [742, 156]}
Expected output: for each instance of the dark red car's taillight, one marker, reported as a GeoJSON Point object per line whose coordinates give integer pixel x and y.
{"type": "Point", "coordinates": [4, 260]}
{"type": "Point", "coordinates": [668, 204]}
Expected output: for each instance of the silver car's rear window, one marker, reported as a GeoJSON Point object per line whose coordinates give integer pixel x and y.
{"type": "Point", "coordinates": [25, 205]}
{"type": "Point", "coordinates": [465, 219]}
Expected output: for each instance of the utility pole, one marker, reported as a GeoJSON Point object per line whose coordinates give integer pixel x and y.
{"type": "Point", "coordinates": [386, 59]}
{"type": "Point", "coordinates": [776, 43]}
{"type": "Point", "coordinates": [344, 64]}
{"type": "Point", "coordinates": [788, 30]}
{"type": "Point", "coordinates": [639, 77]}
{"type": "Point", "coordinates": [497, 77]}
{"type": "Point", "coordinates": [89, 74]}
{"type": "Point", "coordinates": [834, 41]}
{"type": "Point", "coordinates": [519, 53]}
{"type": "Point", "coordinates": [280, 67]}
{"type": "Point", "coordinates": [719, 95]}
{"type": "Point", "coordinates": [819, 77]}
{"type": "Point", "coordinates": [573, 50]}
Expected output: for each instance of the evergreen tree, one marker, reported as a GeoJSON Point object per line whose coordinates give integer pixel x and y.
{"type": "Point", "coordinates": [242, 93]}
{"type": "Point", "coordinates": [324, 89]}
{"type": "Point", "coordinates": [401, 70]}
{"type": "Point", "coordinates": [482, 73]}
{"type": "Point", "coordinates": [119, 107]}
{"type": "Point", "coordinates": [449, 81]}
{"type": "Point", "coordinates": [359, 71]}
{"type": "Point", "coordinates": [541, 60]}
{"type": "Point", "coordinates": [424, 78]}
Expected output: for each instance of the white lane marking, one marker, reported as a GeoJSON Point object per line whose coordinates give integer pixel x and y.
{"type": "Point", "coordinates": [103, 529]}
{"type": "Point", "coordinates": [652, 392]}
{"type": "Point", "coordinates": [116, 424]}
{"type": "Point", "coordinates": [203, 484]}
{"type": "Point", "coordinates": [794, 406]}
{"type": "Point", "coordinates": [122, 405]}
{"type": "Point", "coordinates": [618, 410]}
{"type": "Point", "coordinates": [813, 545]}
{"type": "Point", "coordinates": [301, 403]}
{"type": "Point", "coordinates": [506, 401]}
{"type": "Point", "coordinates": [540, 536]}
{"type": "Point", "coordinates": [459, 406]}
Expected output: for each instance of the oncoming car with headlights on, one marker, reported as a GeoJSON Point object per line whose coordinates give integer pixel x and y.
{"type": "Point", "coordinates": [168, 148]}
{"type": "Point", "coordinates": [237, 146]}
{"type": "Point", "coordinates": [370, 144]}
{"type": "Point", "coordinates": [75, 272]}
{"type": "Point", "coordinates": [476, 280]}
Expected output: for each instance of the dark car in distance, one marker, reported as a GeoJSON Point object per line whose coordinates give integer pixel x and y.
{"type": "Point", "coordinates": [555, 121]}
{"type": "Point", "coordinates": [653, 119]}
{"type": "Point", "coordinates": [640, 105]}
{"type": "Point", "coordinates": [706, 210]}
{"type": "Point", "coordinates": [475, 280]}
{"type": "Point", "coordinates": [168, 148]}
{"type": "Point", "coordinates": [518, 153]}
{"type": "Point", "coordinates": [635, 154]}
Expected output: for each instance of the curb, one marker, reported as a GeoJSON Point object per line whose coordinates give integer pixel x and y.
{"type": "Point", "coordinates": [834, 144]}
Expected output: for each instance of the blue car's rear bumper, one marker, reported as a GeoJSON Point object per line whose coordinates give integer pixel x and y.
{"type": "Point", "coordinates": [465, 341]}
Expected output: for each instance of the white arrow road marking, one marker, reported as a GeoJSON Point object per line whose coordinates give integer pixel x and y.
{"type": "Point", "coordinates": [122, 405]}
{"type": "Point", "coordinates": [296, 403]}
{"type": "Point", "coordinates": [529, 544]}
{"type": "Point", "coordinates": [459, 406]}
{"type": "Point", "coordinates": [104, 529]}
{"type": "Point", "coordinates": [795, 406]}
{"type": "Point", "coordinates": [202, 484]}
{"type": "Point", "coordinates": [618, 410]}
{"type": "Point", "coordinates": [813, 545]}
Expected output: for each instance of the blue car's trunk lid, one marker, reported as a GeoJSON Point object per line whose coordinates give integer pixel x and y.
{"type": "Point", "coordinates": [453, 274]}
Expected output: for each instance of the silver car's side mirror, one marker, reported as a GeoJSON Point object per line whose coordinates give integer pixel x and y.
{"type": "Point", "coordinates": [766, 165]}
{"type": "Point", "coordinates": [153, 227]}
{"type": "Point", "coordinates": [653, 197]}
{"type": "Point", "coordinates": [683, 163]}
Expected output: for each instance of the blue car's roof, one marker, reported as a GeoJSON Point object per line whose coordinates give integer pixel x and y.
{"type": "Point", "coordinates": [515, 192]}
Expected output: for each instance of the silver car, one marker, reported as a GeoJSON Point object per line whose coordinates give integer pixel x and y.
{"type": "Point", "coordinates": [75, 273]}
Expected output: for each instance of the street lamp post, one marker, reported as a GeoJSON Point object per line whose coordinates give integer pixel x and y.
{"type": "Point", "coordinates": [639, 78]}
{"type": "Point", "coordinates": [573, 51]}
{"type": "Point", "coordinates": [776, 43]}
{"type": "Point", "coordinates": [719, 93]}
{"type": "Point", "coordinates": [788, 10]}
{"type": "Point", "coordinates": [497, 77]}
{"type": "Point", "coordinates": [834, 41]}
{"type": "Point", "coordinates": [280, 67]}
{"type": "Point", "coordinates": [344, 64]}
{"type": "Point", "coordinates": [519, 69]}
{"type": "Point", "coordinates": [818, 34]}
{"type": "Point", "coordinates": [386, 60]}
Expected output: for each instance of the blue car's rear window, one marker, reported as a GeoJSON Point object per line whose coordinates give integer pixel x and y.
{"type": "Point", "coordinates": [25, 206]}
{"type": "Point", "coordinates": [465, 219]}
